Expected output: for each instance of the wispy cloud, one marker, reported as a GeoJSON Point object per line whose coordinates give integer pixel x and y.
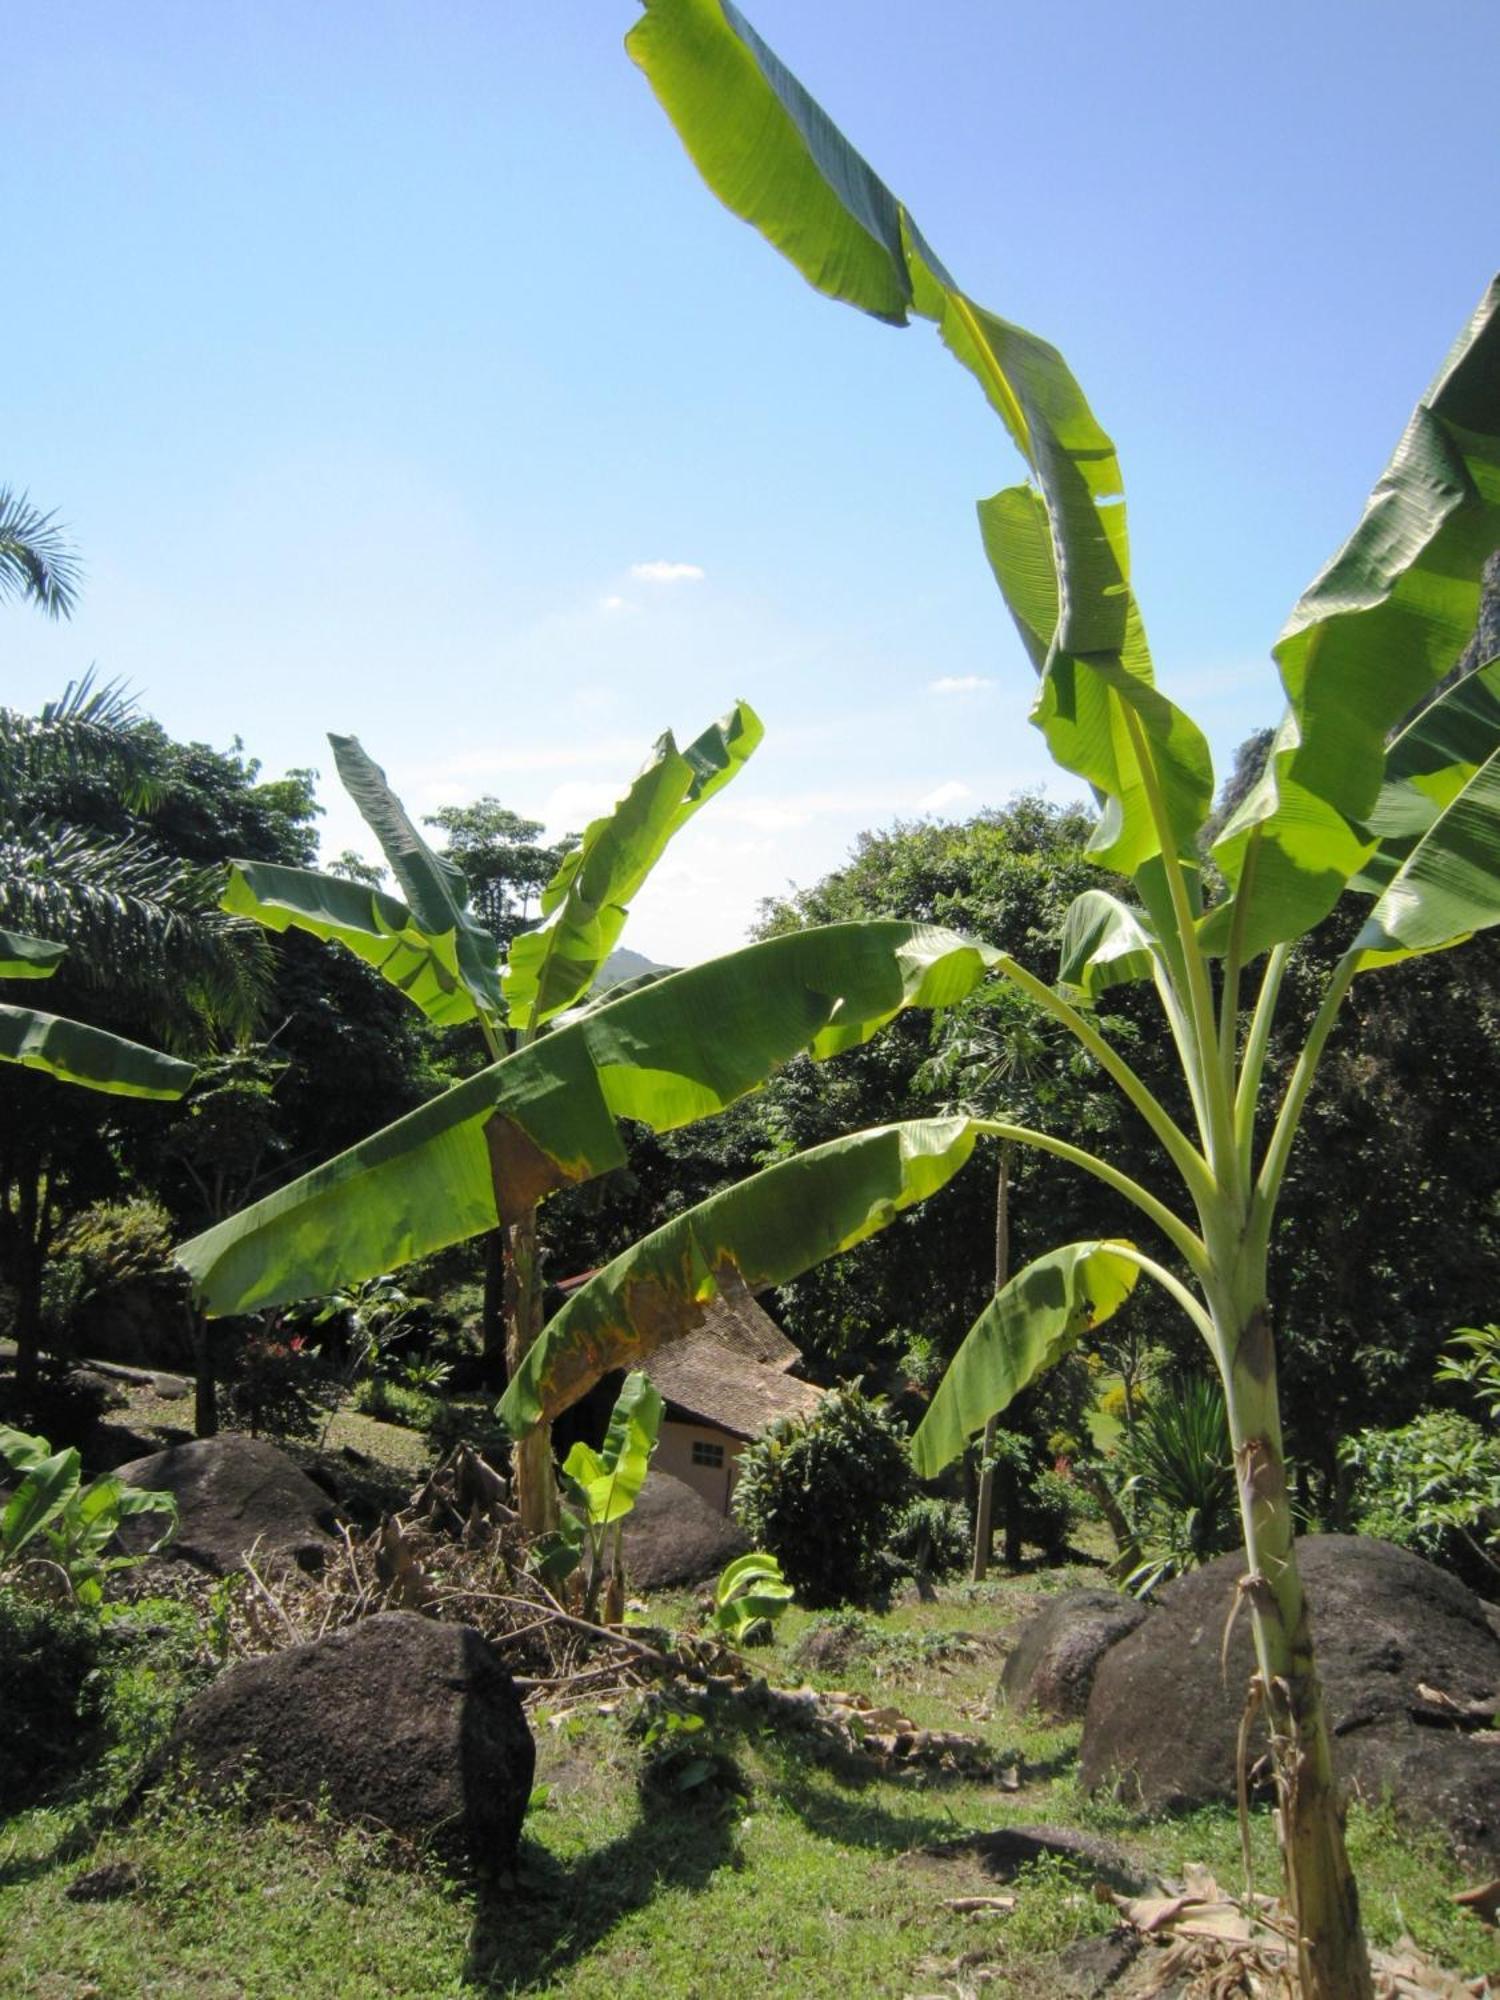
{"type": "Point", "coordinates": [616, 605]}
{"type": "Point", "coordinates": [959, 684]}
{"type": "Point", "coordinates": [945, 796]}
{"type": "Point", "coordinates": [666, 572]}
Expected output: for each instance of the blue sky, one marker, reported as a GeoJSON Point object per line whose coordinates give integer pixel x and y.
{"type": "Point", "coordinates": [396, 374]}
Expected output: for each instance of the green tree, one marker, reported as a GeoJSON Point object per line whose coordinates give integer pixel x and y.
{"type": "Point", "coordinates": [503, 861]}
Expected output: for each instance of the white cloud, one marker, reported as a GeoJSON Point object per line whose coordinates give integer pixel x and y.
{"type": "Point", "coordinates": [944, 796]}
{"type": "Point", "coordinates": [616, 604]}
{"type": "Point", "coordinates": [959, 684]}
{"type": "Point", "coordinates": [666, 572]}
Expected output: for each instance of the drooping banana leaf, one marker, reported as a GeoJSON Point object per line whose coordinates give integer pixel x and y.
{"type": "Point", "coordinates": [375, 927]}
{"type": "Point", "coordinates": [1428, 765]}
{"type": "Point", "coordinates": [1448, 887]}
{"type": "Point", "coordinates": [1041, 1314]}
{"type": "Point", "coordinates": [486, 1151]}
{"type": "Point", "coordinates": [435, 889]}
{"type": "Point", "coordinates": [99, 1061]}
{"type": "Point", "coordinates": [1059, 547]}
{"type": "Point", "coordinates": [1366, 642]}
{"type": "Point", "coordinates": [28, 957]}
{"type": "Point", "coordinates": [586, 902]}
{"type": "Point", "coordinates": [765, 1231]}
{"type": "Point", "coordinates": [1105, 943]}
{"type": "Point", "coordinates": [41, 1497]}
{"type": "Point", "coordinates": [609, 1481]}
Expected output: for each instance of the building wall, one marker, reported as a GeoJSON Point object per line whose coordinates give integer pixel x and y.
{"type": "Point", "coordinates": [674, 1454]}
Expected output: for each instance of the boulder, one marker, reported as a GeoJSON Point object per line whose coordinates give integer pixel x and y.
{"type": "Point", "coordinates": [233, 1494]}
{"type": "Point", "coordinates": [1162, 1719]}
{"type": "Point", "coordinates": [674, 1538]}
{"type": "Point", "coordinates": [398, 1722]}
{"type": "Point", "coordinates": [1056, 1655]}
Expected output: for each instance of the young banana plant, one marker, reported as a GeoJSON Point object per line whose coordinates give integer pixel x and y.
{"type": "Point", "coordinates": [1342, 805]}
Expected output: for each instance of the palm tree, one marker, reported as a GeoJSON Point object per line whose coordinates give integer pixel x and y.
{"type": "Point", "coordinates": [36, 560]}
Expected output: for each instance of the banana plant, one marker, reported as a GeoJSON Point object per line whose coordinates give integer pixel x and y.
{"type": "Point", "coordinates": [1355, 798]}
{"type": "Point", "coordinates": [569, 1067]}
{"type": "Point", "coordinates": [71, 1051]}
{"type": "Point", "coordinates": [749, 1597]}
{"type": "Point", "coordinates": [52, 1519]}
{"type": "Point", "coordinates": [602, 1488]}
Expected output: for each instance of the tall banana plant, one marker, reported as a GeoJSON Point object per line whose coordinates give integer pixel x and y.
{"type": "Point", "coordinates": [1344, 806]}
{"type": "Point", "coordinates": [546, 1113]}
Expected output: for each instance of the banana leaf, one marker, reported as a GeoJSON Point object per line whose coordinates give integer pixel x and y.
{"type": "Point", "coordinates": [40, 1498]}
{"type": "Point", "coordinates": [586, 902]}
{"type": "Point", "coordinates": [77, 1054]}
{"type": "Point", "coordinates": [1365, 644]}
{"type": "Point", "coordinates": [1105, 943]}
{"type": "Point", "coordinates": [608, 1482]}
{"type": "Point", "coordinates": [764, 1231]}
{"type": "Point", "coordinates": [1059, 545]}
{"type": "Point", "coordinates": [1427, 766]}
{"type": "Point", "coordinates": [490, 1148]}
{"type": "Point", "coordinates": [1448, 887]}
{"type": "Point", "coordinates": [1039, 1317]}
{"type": "Point", "coordinates": [28, 957]}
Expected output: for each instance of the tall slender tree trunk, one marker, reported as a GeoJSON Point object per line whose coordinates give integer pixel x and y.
{"type": "Point", "coordinates": [984, 1510]}
{"type": "Point", "coordinates": [532, 1476]}
{"type": "Point", "coordinates": [1331, 1958]}
{"type": "Point", "coordinates": [29, 1247]}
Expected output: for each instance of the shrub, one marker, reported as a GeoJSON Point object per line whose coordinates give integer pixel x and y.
{"type": "Point", "coordinates": [931, 1538]}
{"type": "Point", "coordinates": [393, 1403]}
{"type": "Point", "coordinates": [1179, 1491]}
{"type": "Point", "coordinates": [48, 1695]}
{"type": "Point", "coordinates": [117, 1241]}
{"type": "Point", "coordinates": [1432, 1486]}
{"type": "Point", "coordinates": [276, 1385]}
{"type": "Point", "coordinates": [823, 1495]}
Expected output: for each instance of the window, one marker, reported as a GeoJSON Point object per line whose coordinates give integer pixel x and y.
{"type": "Point", "coordinates": [708, 1454]}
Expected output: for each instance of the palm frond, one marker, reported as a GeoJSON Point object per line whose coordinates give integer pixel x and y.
{"type": "Point", "coordinates": [37, 561]}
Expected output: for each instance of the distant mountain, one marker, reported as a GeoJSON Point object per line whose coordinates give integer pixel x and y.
{"type": "Point", "coordinates": [623, 964]}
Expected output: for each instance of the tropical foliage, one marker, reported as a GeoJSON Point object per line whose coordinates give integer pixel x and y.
{"type": "Point", "coordinates": [58, 1529]}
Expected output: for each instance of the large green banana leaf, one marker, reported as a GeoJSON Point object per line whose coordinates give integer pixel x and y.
{"type": "Point", "coordinates": [486, 1151]}
{"type": "Point", "coordinates": [375, 927]}
{"type": "Point", "coordinates": [435, 889]}
{"type": "Point", "coordinates": [28, 957]}
{"type": "Point", "coordinates": [1366, 642]}
{"type": "Point", "coordinates": [587, 900]}
{"type": "Point", "coordinates": [77, 1054]}
{"type": "Point", "coordinates": [1448, 887]}
{"type": "Point", "coordinates": [765, 1231]}
{"type": "Point", "coordinates": [1105, 943]}
{"type": "Point", "coordinates": [1428, 765]}
{"type": "Point", "coordinates": [1059, 547]}
{"type": "Point", "coordinates": [1043, 1312]}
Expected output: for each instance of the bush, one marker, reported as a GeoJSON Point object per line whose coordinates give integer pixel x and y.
{"type": "Point", "coordinates": [1179, 1491]}
{"type": "Point", "coordinates": [824, 1494]}
{"type": "Point", "coordinates": [49, 1695]}
{"type": "Point", "coordinates": [277, 1386]}
{"type": "Point", "coordinates": [1432, 1486]}
{"type": "Point", "coordinates": [394, 1403]}
{"type": "Point", "coordinates": [117, 1241]}
{"type": "Point", "coordinates": [931, 1538]}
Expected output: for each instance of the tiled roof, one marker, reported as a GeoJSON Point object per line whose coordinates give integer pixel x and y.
{"type": "Point", "coordinates": [733, 1370]}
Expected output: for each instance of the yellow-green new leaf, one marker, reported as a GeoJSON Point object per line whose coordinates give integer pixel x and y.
{"type": "Point", "coordinates": [75, 1053]}
{"type": "Point", "coordinates": [377, 928]}
{"type": "Point", "coordinates": [1448, 887]}
{"type": "Point", "coordinates": [1059, 548]}
{"type": "Point", "coordinates": [486, 1151]}
{"type": "Point", "coordinates": [436, 891]}
{"type": "Point", "coordinates": [765, 1231]}
{"type": "Point", "coordinates": [28, 957]}
{"type": "Point", "coordinates": [1041, 1314]}
{"type": "Point", "coordinates": [587, 901]}
{"type": "Point", "coordinates": [609, 1481]}
{"type": "Point", "coordinates": [1369, 638]}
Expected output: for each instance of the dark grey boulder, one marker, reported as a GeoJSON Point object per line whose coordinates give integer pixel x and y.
{"type": "Point", "coordinates": [1162, 1719]}
{"type": "Point", "coordinates": [398, 1722]}
{"type": "Point", "coordinates": [233, 1494]}
{"type": "Point", "coordinates": [674, 1539]}
{"type": "Point", "coordinates": [1058, 1651]}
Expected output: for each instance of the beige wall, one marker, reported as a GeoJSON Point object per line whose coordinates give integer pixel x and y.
{"type": "Point", "coordinates": [674, 1454]}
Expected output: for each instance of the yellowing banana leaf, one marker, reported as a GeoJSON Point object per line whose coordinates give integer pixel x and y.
{"type": "Point", "coordinates": [1041, 1314]}
{"type": "Point", "coordinates": [375, 927]}
{"type": "Point", "coordinates": [484, 1152]}
{"type": "Point", "coordinates": [775, 159]}
{"type": "Point", "coordinates": [764, 1231]}
{"type": "Point", "coordinates": [1448, 887]}
{"type": "Point", "coordinates": [75, 1053]}
{"type": "Point", "coordinates": [1105, 943]}
{"type": "Point", "coordinates": [28, 957]}
{"type": "Point", "coordinates": [1428, 765]}
{"type": "Point", "coordinates": [609, 1481]}
{"type": "Point", "coordinates": [436, 891]}
{"type": "Point", "coordinates": [1367, 641]}
{"type": "Point", "coordinates": [587, 901]}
